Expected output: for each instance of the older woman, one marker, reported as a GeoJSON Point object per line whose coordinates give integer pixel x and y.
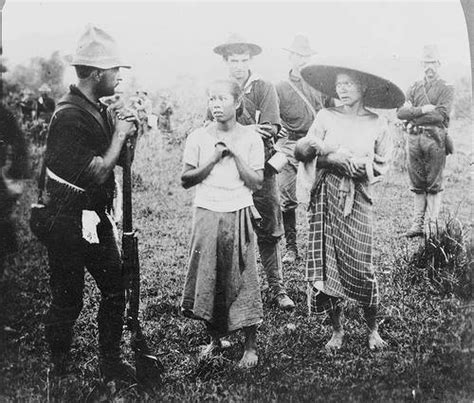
{"type": "Point", "coordinates": [339, 257]}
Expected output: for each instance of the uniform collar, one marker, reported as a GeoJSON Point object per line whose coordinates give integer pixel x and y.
{"type": "Point", "coordinates": [247, 86]}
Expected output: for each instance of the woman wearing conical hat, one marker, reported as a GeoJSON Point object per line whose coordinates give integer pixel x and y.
{"type": "Point", "coordinates": [345, 151]}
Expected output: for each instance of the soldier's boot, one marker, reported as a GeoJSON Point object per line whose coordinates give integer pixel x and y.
{"type": "Point", "coordinates": [270, 256]}
{"type": "Point", "coordinates": [419, 208]}
{"type": "Point", "coordinates": [433, 207]}
{"type": "Point", "coordinates": [110, 320]}
{"type": "Point", "coordinates": [289, 223]}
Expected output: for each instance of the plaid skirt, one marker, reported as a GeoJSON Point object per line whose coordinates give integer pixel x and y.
{"type": "Point", "coordinates": [339, 255]}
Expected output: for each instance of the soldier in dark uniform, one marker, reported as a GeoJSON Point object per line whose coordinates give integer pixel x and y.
{"type": "Point", "coordinates": [83, 147]}
{"type": "Point", "coordinates": [426, 114]}
{"type": "Point", "coordinates": [261, 110]}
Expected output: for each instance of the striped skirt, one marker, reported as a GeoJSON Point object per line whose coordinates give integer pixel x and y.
{"type": "Point", "coordinates": [339, 255]}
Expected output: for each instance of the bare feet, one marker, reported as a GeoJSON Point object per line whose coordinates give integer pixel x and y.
{"type": "Point", "coordinates": [336, 340]}
{"type": "Point", "coordinates": [249, 359]}
{"type": "Point", "coordinates": [375, 341]}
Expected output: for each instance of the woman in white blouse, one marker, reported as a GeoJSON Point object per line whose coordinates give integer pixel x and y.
{"type": "Point", "coordinates": [345, 151]}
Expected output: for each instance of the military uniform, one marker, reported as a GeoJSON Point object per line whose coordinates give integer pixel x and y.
{"type": "Point", "coordinates": [427, 136]}
{"type": "Point", "coordinates": [296, 117]}
{"type": "Point", "coordinates": [75, 138]}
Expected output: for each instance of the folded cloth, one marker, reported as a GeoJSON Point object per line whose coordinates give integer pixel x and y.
{"type": "Point", "coordinates": [90, 219]}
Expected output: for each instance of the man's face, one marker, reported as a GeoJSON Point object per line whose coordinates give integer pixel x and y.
{"type": "Point", "coordinates": [109, 80]}
{"type": "Point", "coordinates": [298, 61]}
{"type": "Point", "coordinates": [431, 69]}
{"type": "Point", "coordinates": [238, 66]}
{"type": "Point", "coordinates": [221, 102]}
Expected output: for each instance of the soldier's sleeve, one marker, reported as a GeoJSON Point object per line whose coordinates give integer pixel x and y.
{"type": "Point", "coordinates": [443, 108]}
{"type": "Point", "coordinates": [268, 105]}
{"type": "Point", "coordinates": [409, 112]}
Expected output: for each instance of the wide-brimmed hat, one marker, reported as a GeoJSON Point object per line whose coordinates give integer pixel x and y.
{"type": "Point", "coordinates": [381, 93]}
{"type": "Point", "coordinates": [300, 45]}
{"type": "Point", "coordinates": [97, 48]}
{"type": "Point", "coordinates": [44, 88]}
{"type": "Point", "coordinates": [430, 53]}
{"type": "Point", "coordinates": [237, 44]}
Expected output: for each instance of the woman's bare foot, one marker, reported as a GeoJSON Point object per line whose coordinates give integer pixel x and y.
{"type": "Point", "coordinates": [375, 341]}
{"type": "Point", "coordinates": [336, 340]}
{"type": "Point", "coordinates": [249, 359]}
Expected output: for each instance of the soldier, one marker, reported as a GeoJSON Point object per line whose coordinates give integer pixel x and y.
{"type": "Point", "coordinates": [261, 110]}
{"type": "Point", "coordinates": [83, 147]}
{"type": "Point", "coordinates": [299, 104]}
{"type": "Point", "coordinates": [426, 113]}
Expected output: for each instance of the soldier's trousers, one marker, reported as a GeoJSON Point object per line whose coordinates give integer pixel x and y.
{"type": "Point", "coordinates": [426, 160]}
{"type": "Point", "coordinates": [270, 230]}
{"type": "Point", "coordinates": [69, 254]}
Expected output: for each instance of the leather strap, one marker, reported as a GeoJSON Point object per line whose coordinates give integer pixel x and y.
{"type": "Point", "coordinates": [70, 101]}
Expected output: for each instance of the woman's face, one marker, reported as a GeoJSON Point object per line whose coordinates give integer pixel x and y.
{"type": "Point", "coordinates": [348, 89]}
{"type": "Point", "coordinates": [221, 102]}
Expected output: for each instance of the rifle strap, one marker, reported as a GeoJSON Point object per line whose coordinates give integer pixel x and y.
{"type": "Point", "coordinates": [304, 99]}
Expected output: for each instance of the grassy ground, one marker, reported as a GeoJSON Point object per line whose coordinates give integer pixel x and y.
{"type": "Point", "coordinates": [428, 357]}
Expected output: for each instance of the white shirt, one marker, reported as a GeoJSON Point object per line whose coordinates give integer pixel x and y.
{"type": "Point", "coordinates": [223, 190]}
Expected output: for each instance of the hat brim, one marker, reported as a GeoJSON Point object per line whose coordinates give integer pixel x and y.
{"type": "Point", "coordinates": [380, 94]}
{"type": "Point", "coordinates": [238, 47]}
{"type": "Point", "coordinates": [310, 53]}
{"type": "Point", "coordinates": [100, 65]}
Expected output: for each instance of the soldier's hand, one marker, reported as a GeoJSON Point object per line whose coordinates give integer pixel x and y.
{"type": "Point", "coordinates": [265, 130]}
{"type": "Point", "coordinates": [125, 128]}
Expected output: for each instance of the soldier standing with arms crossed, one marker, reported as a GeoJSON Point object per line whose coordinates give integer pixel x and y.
{"type": "Point", "coordinates": [426, 113]}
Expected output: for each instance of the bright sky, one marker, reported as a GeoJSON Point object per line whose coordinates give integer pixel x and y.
{"type": "Point", "coordinates": [164, 40]}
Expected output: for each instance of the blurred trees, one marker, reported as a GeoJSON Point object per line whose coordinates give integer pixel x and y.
{"type": "Point", "coordinates": [38, 71]}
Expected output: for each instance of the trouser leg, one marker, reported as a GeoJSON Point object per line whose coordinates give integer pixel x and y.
{"type": "Point", "coordinates": [289, 223]}
{"type": "Point", "coordinates": [269, 231]}
{"type": "Point", "coordinates": [104, 264]}
{"type": "Point", "coordinates": [270, 257]}
{"type": "Point", "coordinates": [287, 185]}
{"type": "Point", "coordinates": [66, 262]}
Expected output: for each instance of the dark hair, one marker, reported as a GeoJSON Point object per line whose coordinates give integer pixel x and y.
{"type": "Point", "coordinates": [235, 90]}
{"type": "Point", "coordinates": [85, 71]}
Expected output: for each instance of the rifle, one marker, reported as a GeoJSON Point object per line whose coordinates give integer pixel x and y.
{"type": "Point", "coordinates": [149, 369]}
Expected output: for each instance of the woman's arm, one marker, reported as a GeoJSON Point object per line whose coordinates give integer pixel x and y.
{"type": "Point", "coordinates": [253, 179]}
{"type": "Point", "coordinates": [192, 175]}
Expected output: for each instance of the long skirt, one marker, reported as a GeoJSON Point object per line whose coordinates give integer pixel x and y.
{"type": "Point", "coordinates": [339, 256]}
{"type": "Point", "coordinates": [222, 284]}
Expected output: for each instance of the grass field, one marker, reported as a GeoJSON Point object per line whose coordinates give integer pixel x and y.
{"type": "Point", "coordinates": [429, 357]}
